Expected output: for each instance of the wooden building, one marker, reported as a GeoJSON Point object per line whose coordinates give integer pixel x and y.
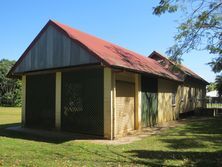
{"type": "Point", "coordinates": [76, 82]}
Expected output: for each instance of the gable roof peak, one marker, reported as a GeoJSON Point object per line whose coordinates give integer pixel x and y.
{"type": "Point", "coordinates": [106, 52]}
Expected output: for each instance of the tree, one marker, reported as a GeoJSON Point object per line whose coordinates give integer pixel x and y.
{"type": "Point", "coordinates": [219, 85]}
{"type": "Point", "coordinates": [200, 29]}
{"type": "Point", "coordinates": [10, 89]}
{"type": "Point", "coordinates": [211, 87]}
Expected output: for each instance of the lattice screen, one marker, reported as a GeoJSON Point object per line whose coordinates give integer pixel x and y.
{"type": "Point", "coordinates": [40, 101]}
{"type": "Point", "coordinates": [82, 101]}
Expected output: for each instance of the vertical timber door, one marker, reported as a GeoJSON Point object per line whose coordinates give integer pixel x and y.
{"type": "Point", "coordinates": [40, 101]}
{"type": "Point", "coordinates": [149, 105]}
{"type": "Point", "coordinates": [125, 101]}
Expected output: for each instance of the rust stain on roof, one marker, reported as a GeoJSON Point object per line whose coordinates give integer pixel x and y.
{"type": "Point", "coordinates": [112, 55]}
{"type": "Point", "coordinates": [115, 55]}
{"type": "Point", "coordinates": [182, 70]}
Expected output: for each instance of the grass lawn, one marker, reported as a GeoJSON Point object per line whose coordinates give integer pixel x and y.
{"type": "Point", "coordinates": [10, 115]}
{"type": "Point", "coordinates": [197, 143]}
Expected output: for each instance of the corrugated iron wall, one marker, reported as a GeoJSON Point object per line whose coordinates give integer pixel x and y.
{"type": "Point", "coordinates": [82, 101]}
{"type": "Point", "coordinates": [54, 50]}
{"type": "Point", "coordinates": [40, 101]}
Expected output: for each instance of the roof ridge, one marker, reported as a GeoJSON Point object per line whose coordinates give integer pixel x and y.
{"type": "Point", "coordinates": [58, 23]}
{"type": "Point", "coordinates": [130, 52]}
{"type": "Point", "coordinates": [184, 69]}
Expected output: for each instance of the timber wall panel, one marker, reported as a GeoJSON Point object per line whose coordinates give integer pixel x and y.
{"type": "Point", "coordinates": [125, 101]}
{"type": "Point", "coordinates": [189, 96]}
{"type": "Point", "coordinates": [166, 111]}
{"type": "Point", "coordinates": [108, 103]}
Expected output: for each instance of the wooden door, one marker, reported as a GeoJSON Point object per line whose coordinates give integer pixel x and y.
{"type": "Point", "coordinates": [125, 101]}
{"type": "Point", "coordinates": [149, 106]}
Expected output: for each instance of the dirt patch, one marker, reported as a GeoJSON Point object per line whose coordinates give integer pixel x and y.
{"type": "Point", "coordinates": [139, 135]}
{"type": "Point", "coordinates": [61, 137]}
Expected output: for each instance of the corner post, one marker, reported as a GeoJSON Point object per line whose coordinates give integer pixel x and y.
{"type": "Point", "coordinates": [114, 104]}
{"type": "Point", "coordinates": [58, 85]}
{"type": "Point", "coordinates": [137, 101]}
{"type": "Point", "coordinates": [23, 99]}
{"type": "Point", "coordinates": [108, 103]}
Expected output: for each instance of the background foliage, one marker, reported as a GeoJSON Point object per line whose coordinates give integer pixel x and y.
{"type": "Point", "coordinates": [10, 89]}
{"type": "Point", "coordinates": [211, 87]}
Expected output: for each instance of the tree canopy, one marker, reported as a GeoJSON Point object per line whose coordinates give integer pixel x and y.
{"type": "Point", "coordinates": [200, 28]}
{"type": "Point", "coordinates": [211, 87]}
{"type": "Point", "coordinates": [10, 89]}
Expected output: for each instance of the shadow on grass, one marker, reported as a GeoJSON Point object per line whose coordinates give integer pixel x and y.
{"type": "Point", "coordinates": [41, 135]}
{"type": "Point", "coordinates": [192, 158]}
{"type": "Point", "coordinates": [204, 125]}
{"type": "Point", "coordinates": [193, 137]}
{"type": "Point", "coordinates": [4, 126]}
{"type": "Point", "coordinates": [184, 143]}
{"type": "Point", "coordinates": [119, 158]}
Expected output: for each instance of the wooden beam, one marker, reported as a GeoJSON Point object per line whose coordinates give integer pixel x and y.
{"type": "Point", "coordinates": [114, 102]}
{"type": "Point", "coordinates": [108, 104]}
{"type": "Point", "coordinates": [23, 99]}
{"type": "Point", "coordinates": [61, 69]}
{"type": "Point", "coordinates": [137, 101]}
{"type": "Point", "coordinates": [58, 100]}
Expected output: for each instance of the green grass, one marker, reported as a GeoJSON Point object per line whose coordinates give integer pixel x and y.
{"type": "Point", "coordinates": [197, 143]}
{"type": "Point", "coordinates": [10, 115]}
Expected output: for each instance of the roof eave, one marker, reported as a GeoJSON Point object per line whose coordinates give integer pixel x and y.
{"type": "Point", "coordinates": [186, 73]}
{"type": "Point", "coordinates": [143, 72]}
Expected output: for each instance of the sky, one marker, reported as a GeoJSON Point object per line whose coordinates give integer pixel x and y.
{"type": "Point", "coordinates": [127, 23]}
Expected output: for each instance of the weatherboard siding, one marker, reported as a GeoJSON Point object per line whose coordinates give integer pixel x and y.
{"type": "Point", "coordinates": [166, 111]}
{"type": "Point", "coordinates": [194, 100]}
{"type": "Point", "coordinates": [54, 50]}
{"type": "Point", "coordinates": [189, 96]}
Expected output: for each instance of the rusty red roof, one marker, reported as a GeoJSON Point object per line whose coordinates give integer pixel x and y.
{"type": "Point", "coordinates": [186, 71]}
{"type": "Point", "coordinates": [109, 54]}
{"type": "Point", "coordinates": [115, 55]}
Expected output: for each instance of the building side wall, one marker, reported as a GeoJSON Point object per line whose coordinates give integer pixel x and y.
{"type": "Point", "coordinates": [189, 96]}
{"type": "Point", "coordinates": [166, 110]}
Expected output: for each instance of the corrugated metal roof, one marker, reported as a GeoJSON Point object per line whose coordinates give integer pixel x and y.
{"type": "Point", "coordinates": [109, 54]}
{"type": "Point", "coordinates": [184, 69]}
{"type": "Point", "coordinates": [115, 55]}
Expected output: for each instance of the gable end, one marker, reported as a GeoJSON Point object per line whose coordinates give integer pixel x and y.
{"type": "Point", "coordinates": [52, 50]}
